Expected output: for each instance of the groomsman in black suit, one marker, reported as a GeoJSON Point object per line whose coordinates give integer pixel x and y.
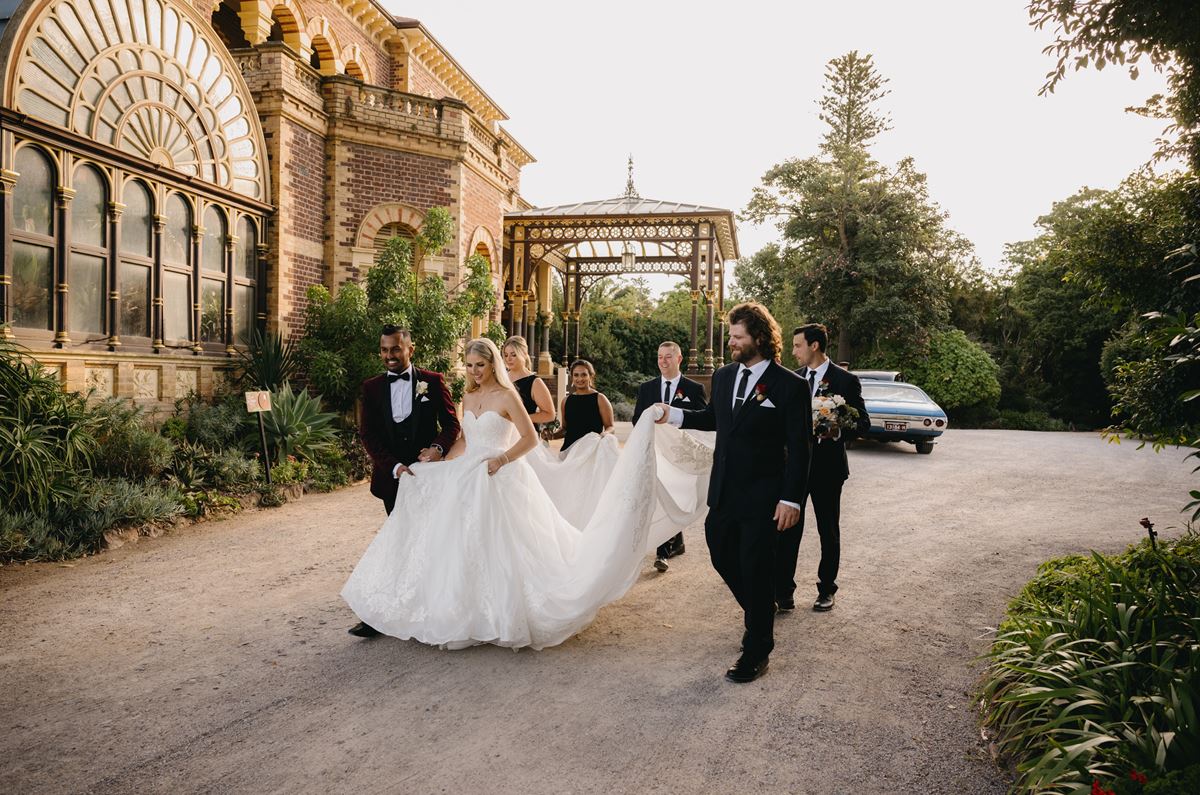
{"type": "Point", "coordinates": [828, 473]}
{"type": "Point", "coordinates": [405, 415]}
{"type": "Point", "coordinates": [761, 413]}
{"type": "Point", "coordinates": [674, 389]}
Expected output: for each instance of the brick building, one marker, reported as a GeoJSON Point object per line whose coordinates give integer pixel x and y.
{"type": "Point", "coordinates": [173, 174]}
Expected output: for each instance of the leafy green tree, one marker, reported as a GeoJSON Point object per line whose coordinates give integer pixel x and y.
{"type": "Point", "coordinates": [867, 251]}
{"type": "Point", "coordinates": [341, 334]}
{"type": "Point", "coordinates": [1123, 33]}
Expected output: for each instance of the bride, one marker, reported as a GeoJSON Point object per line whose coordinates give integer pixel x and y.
{"type": "Point", "coordinates": [476, 550]}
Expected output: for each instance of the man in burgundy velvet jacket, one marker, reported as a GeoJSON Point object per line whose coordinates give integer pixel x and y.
{"type": "Point", "coordinates": [405, 415]}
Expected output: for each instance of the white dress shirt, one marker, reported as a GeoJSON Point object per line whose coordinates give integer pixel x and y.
{"type": "Point", "coordinates": [674, 384]}
{"type": "Point", "coordinates": [816, 382]}
{"type": "Point", "coordinates": [402, 395]}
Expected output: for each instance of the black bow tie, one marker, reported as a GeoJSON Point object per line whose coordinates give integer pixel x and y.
{"type": "Point", "coordinates": [402, 376]}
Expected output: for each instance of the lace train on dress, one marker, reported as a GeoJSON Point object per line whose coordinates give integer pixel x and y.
{"type": "Point", "coordinates": [527, 556]}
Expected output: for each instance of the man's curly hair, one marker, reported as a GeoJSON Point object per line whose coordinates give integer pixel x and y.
{"type": "Point", "coordinates": [761, 326]}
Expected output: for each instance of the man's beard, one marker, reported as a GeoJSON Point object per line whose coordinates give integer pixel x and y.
{"type": "Point", "coordinates": [746, 353]}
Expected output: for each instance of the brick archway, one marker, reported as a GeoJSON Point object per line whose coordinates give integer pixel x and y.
{"type": "Point", "coordinates": [383, 214]}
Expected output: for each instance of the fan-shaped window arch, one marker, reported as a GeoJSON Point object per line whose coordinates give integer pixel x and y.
{"type": "Point", "coordinates": [89, 253]}
{"type": "Point", "coordinates": [33, 239]}
{"type": "Point", "coordinates": [150, 78]}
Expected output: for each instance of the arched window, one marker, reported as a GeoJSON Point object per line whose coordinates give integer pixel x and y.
{"type": "Point", "coordinates": [388, 231]}
{"type": "Point", "coordinates": [212, 283]}
{"type": "Point", "coordinates": [136, 263]}
{"type": "Point", "coordinates": [177, 271]}
{"type": "Point", "coordinates": [33, 240]}
{"type": "Point", "coordinates": [89, 254]}
{"type": "Point", "coordinates": [245, 280]}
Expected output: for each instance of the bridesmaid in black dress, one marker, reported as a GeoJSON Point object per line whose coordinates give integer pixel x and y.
{"type": "Point", "coordinates": [585, 410]}
{"type": "Point", "coordinates": [533, 390]}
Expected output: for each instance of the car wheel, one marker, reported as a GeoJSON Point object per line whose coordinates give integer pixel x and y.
{"type": "Point", "coordinates": [924, 448]}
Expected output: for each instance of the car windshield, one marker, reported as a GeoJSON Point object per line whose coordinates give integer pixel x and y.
{"type": "Point", "coordinates": [896, 393]}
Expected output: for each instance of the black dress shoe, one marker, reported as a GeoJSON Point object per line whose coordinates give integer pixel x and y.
{"type": "Point", "coordinates": [364, 630]}
{"type": "Point", "coordinates": [746, 670]}
{"type": "Point", "coordinates": [661, 564]}
{"type": "Point", "coordinates": [786, 605]}
{"type": "Point", "coordinates": [824, 603]}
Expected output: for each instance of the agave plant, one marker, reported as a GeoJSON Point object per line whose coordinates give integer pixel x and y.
{"type": "Point", "coordinates": [296, 425]}
{"type": "Point", "coordinates": [269, 361]}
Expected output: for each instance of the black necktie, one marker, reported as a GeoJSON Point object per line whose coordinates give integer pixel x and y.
{"type": "Point", "coordinates": [740, 398]}
{"type": "Point", "coordinates": [402, 376]}
{"type": "Point", "coordinates": [667, 392]}
{"type": "Point", "coordinates": [812, 382]}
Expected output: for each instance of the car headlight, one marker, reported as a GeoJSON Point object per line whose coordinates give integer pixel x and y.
{"type": "Point", "coordinates": [940, 423]}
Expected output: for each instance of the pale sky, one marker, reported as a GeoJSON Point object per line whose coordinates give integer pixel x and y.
{"type": "Point", "coordinates": [708, 96]}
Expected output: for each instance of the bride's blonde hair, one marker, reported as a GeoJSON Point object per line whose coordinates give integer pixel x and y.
{"type": "Point", "coordinates": [487, 350]}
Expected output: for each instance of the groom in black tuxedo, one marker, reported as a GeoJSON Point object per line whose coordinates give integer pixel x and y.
{"type": "Point", "coordinates": [674, 389]}
{"type": "Point", "coordinates": [405, 415]}
{"type": "Point", "coordinates": [762, 417]}
{"type": "Point", "coordinates": [828, 473]}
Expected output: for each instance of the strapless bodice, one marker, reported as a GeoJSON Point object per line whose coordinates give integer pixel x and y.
{"type": "Point", "coordinates": [489, 431]}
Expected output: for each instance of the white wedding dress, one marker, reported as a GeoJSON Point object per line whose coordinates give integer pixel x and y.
{"type": "Point", "coordinates": [527, 556]}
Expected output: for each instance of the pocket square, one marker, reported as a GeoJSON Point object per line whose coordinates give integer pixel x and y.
{"type": "Point", "coordinates": [424, 399]}
{"type": "Point", "coordinates": [767, 404]}
{"type": "Point", "coordinates": [682, 399]}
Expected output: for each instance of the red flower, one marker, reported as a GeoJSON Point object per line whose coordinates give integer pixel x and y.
{"type": "Point", "coordinates": [1099, 790]}
{"type": "Point", "coordinates": [1138, 777]}
{"type": "Point", "coordinates": [761, 391]}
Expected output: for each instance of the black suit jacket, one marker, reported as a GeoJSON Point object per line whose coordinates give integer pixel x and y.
{"type": "Point", "coordinates": [433, 417]}
{"type": "Point", "coordinates": [829, 460]}
{"type": "Point", "coordinates": [688, 395]}
{"type": "Point", "coordinates": [761, 455]}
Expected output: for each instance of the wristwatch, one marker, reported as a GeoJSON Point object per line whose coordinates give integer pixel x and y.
{"type": "Point", "coordinates": [438, 447]}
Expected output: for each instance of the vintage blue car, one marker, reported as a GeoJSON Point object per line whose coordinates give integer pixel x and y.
{"type": "Point", "coordinates": [902, 413]}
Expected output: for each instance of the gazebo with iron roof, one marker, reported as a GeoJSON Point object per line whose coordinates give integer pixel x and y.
{"type": "Point", "coordinates": [629, 235]}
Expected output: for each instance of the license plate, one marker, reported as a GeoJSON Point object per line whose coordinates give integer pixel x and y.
{"type": "Point", "coordinates": [895, 426]}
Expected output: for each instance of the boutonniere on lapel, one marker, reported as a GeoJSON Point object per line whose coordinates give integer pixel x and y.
{"type": "Point", "coordinates": [822, 388]}
{"type": "Point", "coordinates": [422, 387]}
{"type": "Point", "coordinates": [760, 392]}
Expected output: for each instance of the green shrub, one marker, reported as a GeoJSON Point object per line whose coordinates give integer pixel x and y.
{"type": "Point", "coordinates": [1095, 671]}
{"type": "Point", "coordinates": [330, 470]}
{"type": "Point", "coordinates": [355, 454]}
{"type": "Point", "coordinates": [205, 502]}
{"type": "Point", "coordinates": [127, 447]}
{"type": "Point", "coordinates": [1176, 782]}
{"type": "Point", "coordinates": [291, 471]}
{"type": "Point", "coordinates": [215, 426]}
{"type": "Point", "coordinates": [47, 435]}
{"type": "Point", "coordinates": [76, 526]}
{"type": "Point", "coordinates": [296, 426]}
{"type": "Point", "coordinates": [1011, 420]}
{"type": "Point", "coordinates": [231, 470]}
{"type": "Point", "coordinates": [957, 373]}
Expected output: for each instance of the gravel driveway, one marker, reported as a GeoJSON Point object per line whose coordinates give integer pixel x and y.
{"type": "Point", "coordinates": [216, 659]}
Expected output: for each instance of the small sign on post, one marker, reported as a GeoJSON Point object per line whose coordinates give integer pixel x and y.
{"type": "Point", "coordinates": [257, 403]}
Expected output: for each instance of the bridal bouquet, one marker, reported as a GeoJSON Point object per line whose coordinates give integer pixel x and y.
{"type": "Point", "coordinates": [830, 414]}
